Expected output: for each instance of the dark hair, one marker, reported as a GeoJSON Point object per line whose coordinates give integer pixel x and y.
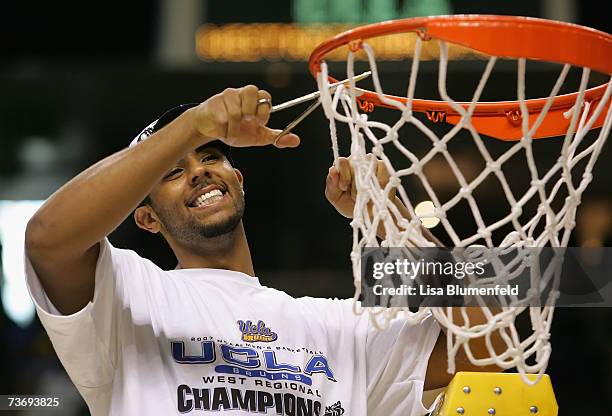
{"type": "Point", "coordinates": [145, 201]}
{"type": "Point", "coordinates": [166, 118]}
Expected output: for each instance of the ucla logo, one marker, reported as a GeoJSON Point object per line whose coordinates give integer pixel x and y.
{"type": "Point", "coordinates": [250, 362]}
{"type": "Point", "coordinates": [256, 333]}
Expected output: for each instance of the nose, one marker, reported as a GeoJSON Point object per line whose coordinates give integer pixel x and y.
{"type": "Point", "coordinates": [197, 173]}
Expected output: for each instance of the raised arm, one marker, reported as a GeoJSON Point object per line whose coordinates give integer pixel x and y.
{"type": "Point", "coordinates": [341, 193]}
{"type": "Point", "coordinates": [62, 238]}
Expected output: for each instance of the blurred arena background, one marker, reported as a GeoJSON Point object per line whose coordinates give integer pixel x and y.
{"type": "Point", "coordinates": [78, 83]}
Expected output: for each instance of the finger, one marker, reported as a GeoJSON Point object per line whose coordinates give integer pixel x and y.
{"type": "Point", "coordinates": [231, 99]}
{"type": "Point", "coordinates": [263, 110]}
{"type": "Point", "coordinates": [345, 170]}
{"type": "Point", "coordinates": [382, 174]}
{"type": "Point", "coordinates": [333, 178]}
{"type": "Point", "coordinates": [332, 190]}
{"type": "Point", "coordinates": [218, 113]}
{"type": "Point", "coordinates": [248, 100]}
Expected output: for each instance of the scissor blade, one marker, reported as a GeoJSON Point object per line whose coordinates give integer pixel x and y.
{"type": "Point", "coordinates": [299, 119]}
{"type": "Point", "coordinates": [315, 94]}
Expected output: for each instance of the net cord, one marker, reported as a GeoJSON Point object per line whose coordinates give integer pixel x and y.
{"type": "Point", "coordinates": [544, 228]}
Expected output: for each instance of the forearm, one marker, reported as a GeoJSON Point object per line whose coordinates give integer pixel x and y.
{"type": "Point", "coordinates": [95, 202]}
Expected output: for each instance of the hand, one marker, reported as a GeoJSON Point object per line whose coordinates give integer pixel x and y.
{"type": "Point", "coordinates": [235, 118]}
{"type": "Point", "coordinates": [340, 188]}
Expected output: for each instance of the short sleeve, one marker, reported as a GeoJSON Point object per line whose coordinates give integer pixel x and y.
{"type": "Point", "coordinates": [86, 341]}
{"type": "Point", "coordinates": [396, 364]}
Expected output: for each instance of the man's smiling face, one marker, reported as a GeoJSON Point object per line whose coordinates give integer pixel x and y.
{"type": "Point", "coordinates": [200, 198]}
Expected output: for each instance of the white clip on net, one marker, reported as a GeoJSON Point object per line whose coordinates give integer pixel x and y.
{"type": "Point", "coordinates": [548, 226]}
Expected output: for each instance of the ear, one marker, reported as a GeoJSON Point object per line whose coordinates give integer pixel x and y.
{"type": "Point", "coordinates": [240, 177]}
{"type": "Point", "coordinates": [146, 219]}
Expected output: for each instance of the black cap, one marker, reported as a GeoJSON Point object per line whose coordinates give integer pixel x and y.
{"type": "Point", "coordinates": [166, 118]}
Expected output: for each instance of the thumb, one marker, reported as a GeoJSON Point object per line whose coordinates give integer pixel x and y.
{"type": "Point", "coordinates": [286, 140]}
{"type": "Point", "coordinates": [268, 136]}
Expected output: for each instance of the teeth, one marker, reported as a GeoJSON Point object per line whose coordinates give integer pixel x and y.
{"type": "Point", "coordinates": [208, 198]}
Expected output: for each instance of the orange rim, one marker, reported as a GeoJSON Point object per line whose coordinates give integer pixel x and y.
{"type": "Point", "coordinates": [501, 36]}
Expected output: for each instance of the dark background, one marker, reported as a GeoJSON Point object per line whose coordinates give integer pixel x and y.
{"type": "Point", "coordinates": [83, 80]}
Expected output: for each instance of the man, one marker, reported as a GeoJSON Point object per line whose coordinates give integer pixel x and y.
{"type": "Point", "coordinates": [206, 337]}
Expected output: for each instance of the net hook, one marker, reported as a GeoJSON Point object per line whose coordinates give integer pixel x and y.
{"type": "Point", "coordinates": [422, 33]}
{"type": "Point", "coordinates": [366, 106]}
{"type": "Point", "coordinates": [355, 45]}
{"type": "Point", "coordinates": [436, 116]}
{"type": "Point", "coordinates": [514, 117]}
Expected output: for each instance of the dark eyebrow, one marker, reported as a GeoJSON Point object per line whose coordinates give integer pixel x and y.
{"type": "Point", "coordinates": [205, 148]}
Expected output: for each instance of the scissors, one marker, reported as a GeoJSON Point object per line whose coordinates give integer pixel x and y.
{"type": "Point", "coordinates": [304, 98]}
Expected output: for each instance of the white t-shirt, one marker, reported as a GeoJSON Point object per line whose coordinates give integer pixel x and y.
{"type": "Point", "coordinates": [194, 341]}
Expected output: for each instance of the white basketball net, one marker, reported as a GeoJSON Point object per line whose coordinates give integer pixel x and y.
{"type": "Point", "coordinates": [547, 226]}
